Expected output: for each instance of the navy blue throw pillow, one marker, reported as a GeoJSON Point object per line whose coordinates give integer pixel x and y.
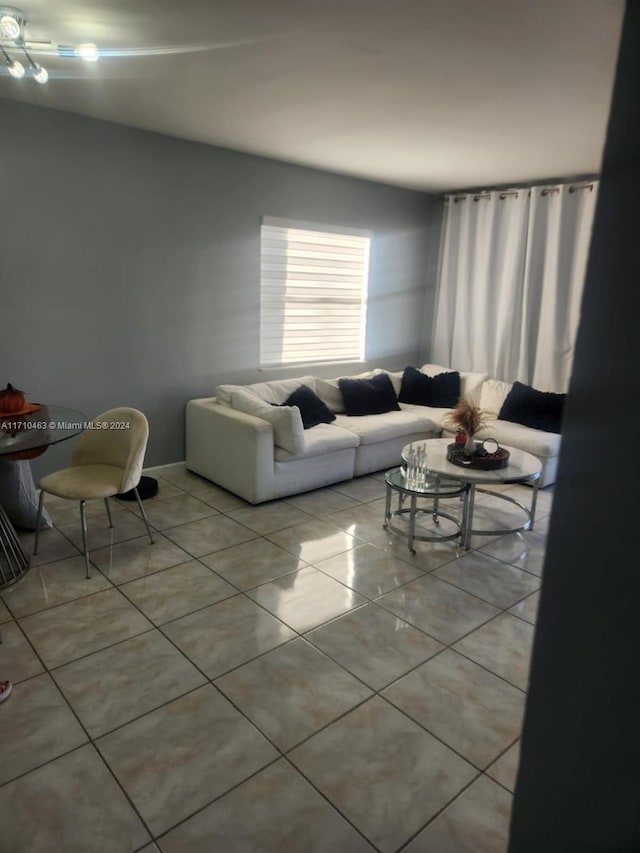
{"type": "Point", "coordinates": [368, 396]}
{"type": "Point", "coordinates": [537, 409]}
{"type": "Point", "coordinates": [313, 410]}
{"type": "Point", "coordinates": [441, 391]}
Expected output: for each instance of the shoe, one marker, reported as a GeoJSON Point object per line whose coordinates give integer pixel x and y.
{"type": "Point", "coordinates": [5, 690]}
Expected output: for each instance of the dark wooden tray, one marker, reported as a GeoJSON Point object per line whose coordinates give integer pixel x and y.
{"type": "Point", "coordinates": [491, 462]}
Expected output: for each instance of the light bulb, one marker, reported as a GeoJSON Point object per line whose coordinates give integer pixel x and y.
{"type": "Point", "coordinates": [40, 74]}
{"type": "Point", "coordinates": [16, 69]}
{"type": "Point", "coordinates": [9, 27]}
{"type": "Point", "coordinates": [88, 52]}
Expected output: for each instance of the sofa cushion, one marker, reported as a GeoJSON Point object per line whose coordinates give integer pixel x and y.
{"type": "Point", "coordinates": [274, 391]}
{"type": "Point", "coordinates": [492, 396]}
{"type": "Point", "coordinates": [312, 409]}
{"type": "Point", "coordinates": [530, 407]}
{"type": "Point", "coordinates": [368, 396]}
{"type": "Point", "coordinates": [535, 441]}
{"type": "Point", "coordinates": [286, 421]}
{"type": "Point", "coordinates": [321, 439]}
{"type": "Point", "coordinates": [371, 429]}
{"type": "Point", "coordinates": [440, 391]}
{"type": "Point", "coordinates": [429, 414]}
{"type": "Point", "coordinates": [470, 383]}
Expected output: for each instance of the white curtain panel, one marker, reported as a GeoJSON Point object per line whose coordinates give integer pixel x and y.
{"type": "Point", "coordinates": [512, 269]}
{"type": "Point", "coordinates": [560, 222]}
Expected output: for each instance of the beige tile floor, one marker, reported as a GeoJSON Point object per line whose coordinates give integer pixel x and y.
{"type": "Point", "coordinates": [286, 678]}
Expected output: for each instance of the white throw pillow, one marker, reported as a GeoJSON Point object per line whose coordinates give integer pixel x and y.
{"type": "Point", "coordinates": [395, 377]}
{"type": "Point", "coordinates": [471, 385]}
{"type": "Point", "coordinates": [223, 393]}
{"type": "Point", "coordinates": [493, 395]}
{"type": "Point", "coordinates": [274, 391]}
{"type": "Point", "coordinates": [329, 391]}
{"type": "Point", "coordinates": [330, 394]}
{"type": "Point", "coordinates": [435, 369]}
{"type": "Point", "coordinates": [288, 431]}
{"type": "Point", "coordinates": [277, 390]}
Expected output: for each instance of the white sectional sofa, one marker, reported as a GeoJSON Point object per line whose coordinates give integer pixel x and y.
{"type": "Point", "coordinates": [246, 441]}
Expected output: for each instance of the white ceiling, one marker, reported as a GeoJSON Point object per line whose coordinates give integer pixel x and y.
{"type": "Point", "coordinates": [428, 94]}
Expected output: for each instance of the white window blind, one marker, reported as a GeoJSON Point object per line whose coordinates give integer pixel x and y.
{"type": "Point", "coordinates": [313, 293]}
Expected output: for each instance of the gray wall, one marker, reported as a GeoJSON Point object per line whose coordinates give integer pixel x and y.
{"type": "Point", "coordinates": [577, 789]}
{"type": "Point", "coordinates": [129, 265]}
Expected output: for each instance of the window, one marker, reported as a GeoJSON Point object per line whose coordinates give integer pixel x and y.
{"type": "Point", "coordinates": [313, 293]}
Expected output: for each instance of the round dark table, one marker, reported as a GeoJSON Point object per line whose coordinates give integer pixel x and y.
{"type": "Point", "coordinates": [24, 437]}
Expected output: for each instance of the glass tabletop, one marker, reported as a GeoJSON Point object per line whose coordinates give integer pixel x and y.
{"type": "Point", "coordinates": [21, 435]}
{"type": "Point", "coordinates": [435, 484]}
{"type": "Point", "coordinates": [523, 467]}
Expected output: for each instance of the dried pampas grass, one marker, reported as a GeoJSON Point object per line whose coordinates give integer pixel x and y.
{"type": "Point", "coordinates": [466, 417]}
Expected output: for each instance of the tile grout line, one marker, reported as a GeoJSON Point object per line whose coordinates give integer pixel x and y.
{"type": "Point", "coordinates": [299, 635]}
{"type": "Point", "coordinates": [438, 813]}
{"type": "Point", "coordinates": [335, 618]}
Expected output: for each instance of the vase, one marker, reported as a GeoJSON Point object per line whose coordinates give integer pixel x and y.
{"type": "Point", "coordinates": [470, 444]}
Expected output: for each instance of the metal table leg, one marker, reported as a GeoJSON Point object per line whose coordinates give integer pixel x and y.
{"type": "Point", "coordinates": [464, 521]}
{"type": "Point", "coordinates": [14, 560]}
{"type": "Point", "coordinates": [387, 506]}
{"type": "Point", "coordinates": [412, 524]}
{"type": "Point", "coordinates": [534, 503]}
{"type": "Point", "coordinates": [471, 499]}
{"type": "Point", "coordinates": [436, 505]}
{"type": "Point", "coordinates": [18, 494]}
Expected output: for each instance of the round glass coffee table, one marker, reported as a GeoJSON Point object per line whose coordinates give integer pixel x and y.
{"type": "Point", "coordinates": [523, 467]}
{"type": "Point", "coordinates": [436, 487]}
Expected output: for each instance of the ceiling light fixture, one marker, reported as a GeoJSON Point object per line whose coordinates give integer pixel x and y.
{"type": "Point", "coordinates": [15, 68]}
{"type": "Point", "coordinates": [89, 52]}
{"type": "Point", "coordinates": [13, 23]}
{"type": "Point", "coordinates": [40, 74]}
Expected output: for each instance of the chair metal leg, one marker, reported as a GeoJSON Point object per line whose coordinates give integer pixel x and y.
{"type": "Point", "coordinates": [39, 520]}
{"type": "Point", "coordinates": [106, 503]}
{"type": "Point", "coordinates": [83, 519]}
{"type": "Point", "coordinates": [143, 514]}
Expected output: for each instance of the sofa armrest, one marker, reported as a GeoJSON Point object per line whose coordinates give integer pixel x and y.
{"type": "Point", "coordinates": [232, 449]}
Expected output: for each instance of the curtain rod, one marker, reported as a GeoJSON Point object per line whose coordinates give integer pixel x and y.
{"type": "Point", "coordinates": [484, 196]}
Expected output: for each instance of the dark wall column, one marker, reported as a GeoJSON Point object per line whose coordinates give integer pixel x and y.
{"type": "Point", "coordinates": [578, 787]}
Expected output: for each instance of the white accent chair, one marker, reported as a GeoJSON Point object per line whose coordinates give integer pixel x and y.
{"type": "Point", "coordinates": [107, 460]}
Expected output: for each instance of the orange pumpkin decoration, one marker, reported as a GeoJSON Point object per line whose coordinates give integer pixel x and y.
{"type": "Point", "coordinates": [11, 400]}
{"type": "Point", "coordinates": [20, 455]}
